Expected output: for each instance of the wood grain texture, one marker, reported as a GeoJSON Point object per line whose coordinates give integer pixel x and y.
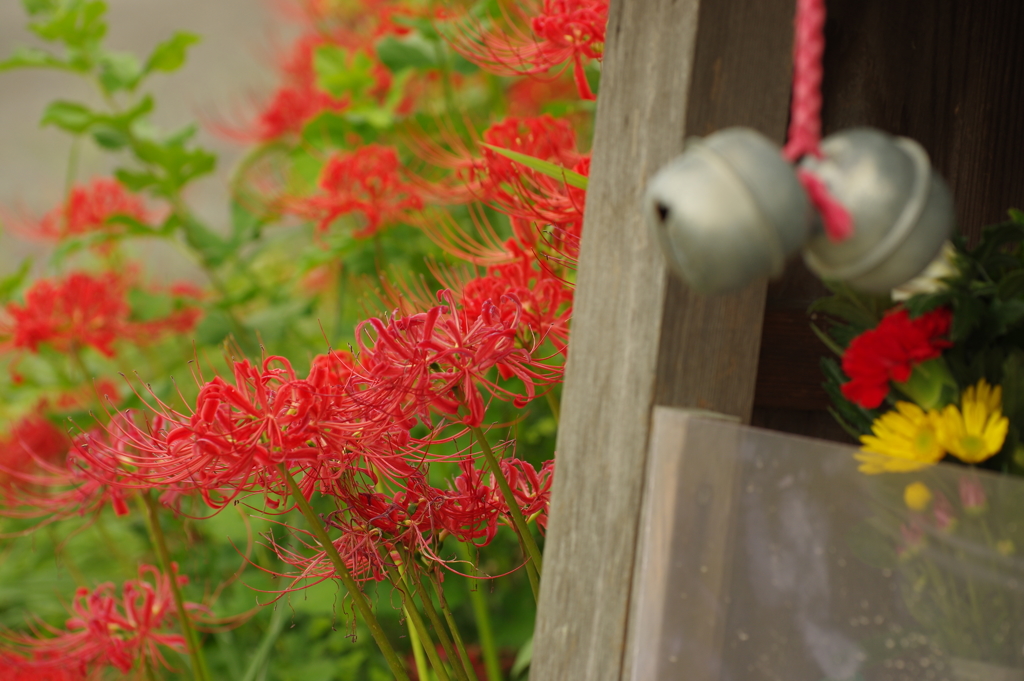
{"type": "Point", "coordinates": [946, 73]}
{"type": "Point", "coordinates": [581, 621]}
{"type": "Point", "coordinates": [639, 336]}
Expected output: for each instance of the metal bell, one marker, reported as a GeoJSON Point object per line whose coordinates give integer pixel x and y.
{"type": "Point", "coordinates": [728, 211]}
{"type": "Point", "coordinates": [902, 211]}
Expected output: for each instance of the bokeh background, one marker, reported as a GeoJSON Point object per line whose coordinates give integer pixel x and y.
{"type": "Point", "coordinates": [233, 65]}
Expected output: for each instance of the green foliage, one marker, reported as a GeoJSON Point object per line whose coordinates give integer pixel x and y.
{"type": "Point", "coordinates": [571, 178]}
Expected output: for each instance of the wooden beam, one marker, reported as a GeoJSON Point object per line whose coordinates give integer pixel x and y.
{"type": "Point", "coordinates": [673, 68]}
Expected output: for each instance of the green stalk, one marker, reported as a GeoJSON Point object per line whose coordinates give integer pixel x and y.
{"type": "Point", "coordinates": [195, 652]}
{"type": "Point", "coordinates": [442, 635]}
{"type": "Point", "coordinates": [483, 624]}
{"type": "Point", "coordinates": [270, 637]}
{"type": "Point", "coordinates": [530, 548]}
{"type": "Point", "coordinates": [450, 619]}
{"type": "Point", "coordinates": [362, 604]}
{"type": "Point", "coordinates": [417, 621]}
{"type": "Point", "coordinates": [556, 410]}
{"type": "Point", "coordinates": [417, 648]}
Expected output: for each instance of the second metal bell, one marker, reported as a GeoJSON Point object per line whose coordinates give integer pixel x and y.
{"type": "Point", "coordinates": [902, 211]}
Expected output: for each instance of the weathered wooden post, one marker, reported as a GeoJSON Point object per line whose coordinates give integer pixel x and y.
{"type": "Point", "coordinates": [673, 69]}
{"type": "Point", "coordinates": [676, 68]}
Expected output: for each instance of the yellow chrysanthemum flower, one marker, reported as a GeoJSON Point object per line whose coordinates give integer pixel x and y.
{"type": "Point", "coordinates": [901, 441]}
{"type": "Point", "coordinates": [917, 496]}
{"type": "Point", "coordinates": [977, 430]}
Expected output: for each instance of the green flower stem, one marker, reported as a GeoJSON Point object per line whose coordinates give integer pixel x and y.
{"type": "Point", "coordinates": [428, 607]}
{"type": "Point", "coordinates": [484, 630]}
{"type": "Point", "coordinates": [556, 410]}
{"type": "Point", "coordinates": [534, 565]}
{"type": "Point", "coordinates": [417, 621]}
{"type": "Point", "coordinates": [450, 619]}
{"type": "Point", "coordinates": [195, 651]}
{"type": "Point", "coordinates": [417, 647]}
{"type": "Point", "coordinates": [931, 385]}
{"type": "Point", "coordinates": [270, 636]}
{"type": "Point", "coordinates": [362, 604]}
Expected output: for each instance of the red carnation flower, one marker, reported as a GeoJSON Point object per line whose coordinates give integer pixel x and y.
{"type": "Point", "coordinates": [890, 351]}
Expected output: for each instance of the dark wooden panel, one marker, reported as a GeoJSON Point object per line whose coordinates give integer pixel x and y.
{"type": "Point", "coordinates": [947, 73]}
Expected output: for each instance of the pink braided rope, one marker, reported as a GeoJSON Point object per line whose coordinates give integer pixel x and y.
{"type": "Point", "coordinates": [805, 114]}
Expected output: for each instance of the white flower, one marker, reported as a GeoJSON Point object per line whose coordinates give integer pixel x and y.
{"type": "Point", "coordinates": [930, 280]}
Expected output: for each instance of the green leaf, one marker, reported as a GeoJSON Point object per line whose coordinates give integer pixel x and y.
{"type": "Point", "coordinates": [146, 306]}
{"type": "Point", "coordinates": [1012, 383]}
{"type": "Point", "coordinates": [136, 181]}
{"type": "Point", "coordinates": [1017, 216]}
{"type": "Point", "coordinates": [828, 342]}
{"type": "Point", "coordinates": [132, 226]}
{"type": "Point", "coordinates": [571, 178]}
{"type": "Point", "coordinates": [78, 24]}
{"type": "Point", "coordinates": [10, 284]}
{"type": "Point", "coordinates": [339, 72]}
{"type": "Point", "coordinates": [213, 249]}
{"type": "Point", "coordinates": [33, 57]}
{"type": "Point", "coordinates": [70, 116]}
{"type": "Point", "coordinates": [119, 71]}
{"type": "Point", "coordinates": [171, 54]}
{"type": "Point", "coordinates": [1011, 285]}
{"type": "Point", "coordinates": [273, 322]}
{"type": "Point", "coordinates": [36, 7]}
{"type": "Point", "coordinates": [523, 658]}
{"type": "Point", "coordinates": [926, 302]}
{"type": "Point", "coordinates": [409, 52]}
{"type": "Point", "coordinates": [245, 225]}
{"type": "Point", "coordinates": [966, 317]}
{"type": "Point", "coordinates": [109, 137]}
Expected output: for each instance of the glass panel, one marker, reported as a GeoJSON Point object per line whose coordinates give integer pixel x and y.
{"type": "Point", "coordinates": [769, 556]}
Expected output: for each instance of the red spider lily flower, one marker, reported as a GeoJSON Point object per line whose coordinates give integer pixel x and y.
{"type": "Point", "coordinates": [107, 630]}
{"type": "Point", "coordinates": [559, 31]}
{"type": "Point", "coordinates": [533, 201]}
{"type": "Point", "coordinates": [238, 433]}
{"type": "Point", "coordinates": [531, 487]}
{"type": "Point", "coordinates": [526, 195]}
{"type": "Point", "coordinates": [368, 181]}
{"type": "Point", "coordinates": [358, 545]}
{"type": "Point", "coordinates": [84, 310]}
{"type": "Point", "coordinates": [352, 23]}
{"type": "Point", "coordinates": [80, 310]}
{"type": "Point", "coordinates": [32, 439]}
{"type": "Point", "coordinates": [545, 300]}
{"type": "Point", "coordinates": [530, 96]}
{"type": "Point", "coordinates": [298, 100]}
{"type": "Point", "coordinates": [87, 209]}
{"type": "Point", "coordinates": [890, 351]}
{"type": "Point", "coordinates": [287, 112]}
{"type": "Point", "coordinates": [41, 668]}
{"type": "Point", "coordinates": [82, 484]}
{"type": "Point", "coordinates": [475, 506]}
{"type": "Point", "coordinates": [440, 360]}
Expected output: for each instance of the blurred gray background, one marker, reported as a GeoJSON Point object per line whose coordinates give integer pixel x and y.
{"type": "Point", "coordinates": [225, 73]}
